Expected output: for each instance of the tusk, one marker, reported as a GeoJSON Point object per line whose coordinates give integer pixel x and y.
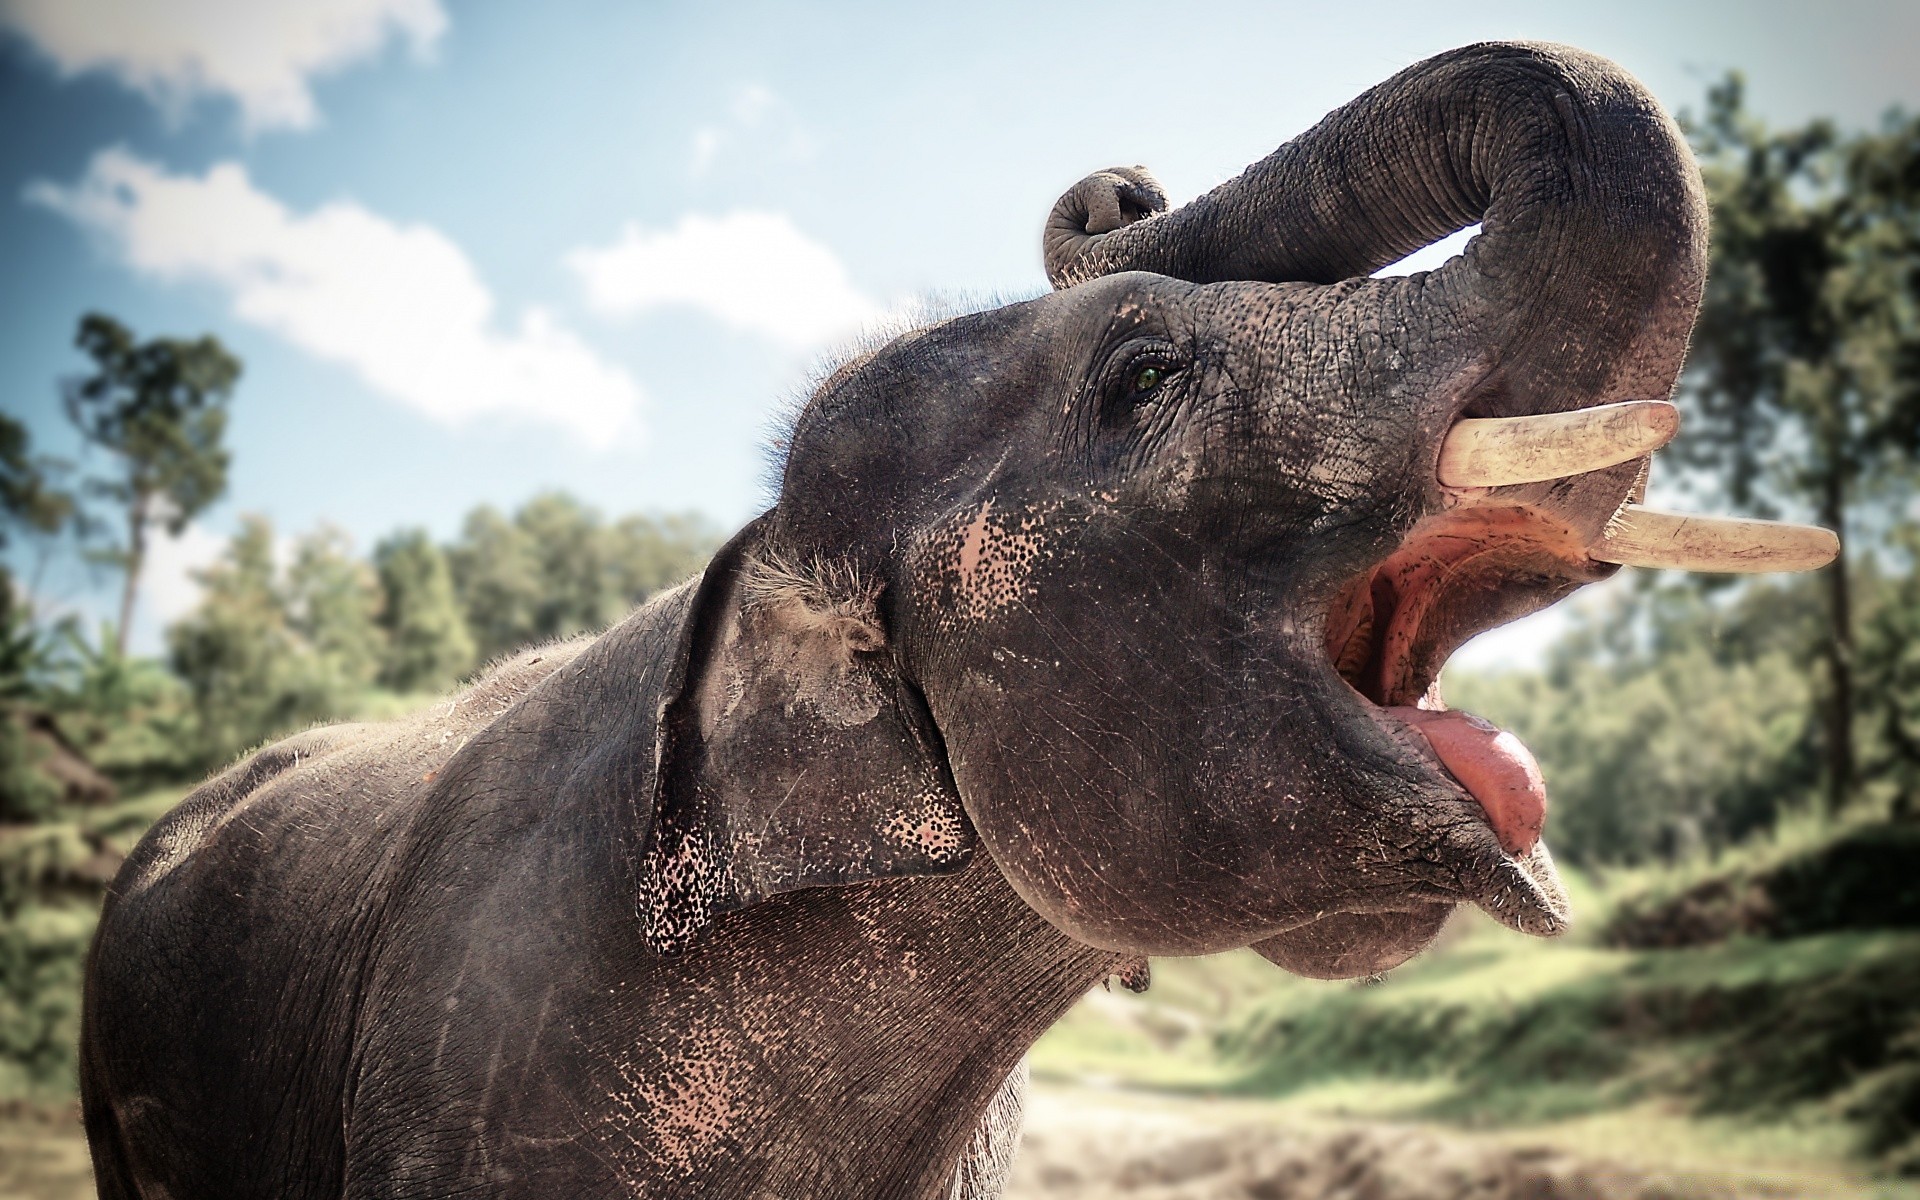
{"type": "Point", "coordinates": [1496, 451]}
{"type": "Point", "coordinates": [1647, 537]}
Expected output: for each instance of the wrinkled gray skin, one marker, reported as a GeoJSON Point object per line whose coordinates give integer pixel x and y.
{"type": "Point", "coordinates": [766, 891]}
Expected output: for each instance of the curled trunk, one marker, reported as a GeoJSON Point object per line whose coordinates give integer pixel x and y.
{"type": "Point", "coordinates": [1583, 283]}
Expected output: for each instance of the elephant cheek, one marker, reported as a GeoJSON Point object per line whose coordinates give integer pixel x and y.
{"type": "Point", "coordinates": [1355, 945]}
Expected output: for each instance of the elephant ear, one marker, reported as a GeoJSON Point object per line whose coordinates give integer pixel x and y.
{"type": "Point", "coordinates": [794, 753]}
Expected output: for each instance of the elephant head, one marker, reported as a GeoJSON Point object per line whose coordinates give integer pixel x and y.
{"type": "Point", "coordinates": [1144, 585]}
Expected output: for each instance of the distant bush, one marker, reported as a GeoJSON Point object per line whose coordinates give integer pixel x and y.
{"type": "Point", "coordinates": [52, 877]}
{"type": "Point", "coordinates": [1868, 877]}
{"type": "Point", "coordinates": [1752, 1030]}
{"type": "Point", "coordinates": [41, 952]}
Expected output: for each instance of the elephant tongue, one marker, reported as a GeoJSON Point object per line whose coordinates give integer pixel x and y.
{"type": "Point", "coordinates": [1492, 764]}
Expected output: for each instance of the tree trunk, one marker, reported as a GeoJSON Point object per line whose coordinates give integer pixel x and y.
{"type": "Point", "coordinates": [1841, 767]}
{"type": "Point", "coordinates": [136, 557]}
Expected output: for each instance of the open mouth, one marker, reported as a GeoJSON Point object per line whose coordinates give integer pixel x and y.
{"type": "Point", "coordinates": [1389, 634]}
{"type": "Point", "coordinates": [1481, 564]}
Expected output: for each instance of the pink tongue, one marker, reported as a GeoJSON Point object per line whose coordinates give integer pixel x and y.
{"type": "Point", "coordinates": [1492, 764]}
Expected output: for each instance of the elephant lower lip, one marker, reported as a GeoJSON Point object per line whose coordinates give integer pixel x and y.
{"type": "Point", "coordinates": [1500, 862]}
{"type": "Point", "coordinates": [1524, 893]}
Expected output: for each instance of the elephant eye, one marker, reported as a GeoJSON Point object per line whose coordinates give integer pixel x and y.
{"type": "Point", "coordinates": [1136, 382]}
{"type": "Point", "coordinates": [1148, 378]}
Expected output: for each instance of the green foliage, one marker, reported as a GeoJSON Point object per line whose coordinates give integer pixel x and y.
{"type": "Point", "coordinates": [26, 791]}
{"type": "Point", "coordinates": [1890, 675]}
{"type": "Point", "coordinates": [1803, 388]}
{"type": "Point", "coordinates": [647, 554]}
{"type": "Point", "coordinates": [333, 606]}
{"type": "Point", "coordinates": [1677, 717]}
{"type": "Point", "coordinates": [556, 568]}
{"type": "Point", "coordinates": [1757, 1030]}
{"type": "Point", "coordinates": [1864, 875]}
{"type": "Point", "coordinates": [29, 502]}
{"type": "Point", "coordinates": [242, 659]}
{"type": "Point", "coordinates": [160, 406]}
{"type": "Point", "coordinates": [73, 856]}
{"type": "Point", "coordinates": [51, 879]}
{"type": "Point", "coordinates": [1811, 324]}
{"type": "Point", "coordinates": [495, 569]}
{"type": "Point", "coordinates": [146, 735]}
{"type": "Point", "coordinates": [41, 952]}
{"type": "Point", "coordinates": [28, 497]}
{"type": "Point", "coordinates": [428, 645]}
{"type": "Point", "coordinates": [1669, 721]}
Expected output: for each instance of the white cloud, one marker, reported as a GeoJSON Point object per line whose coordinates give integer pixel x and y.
{"type": "Point", "coordinates": [399, 304]}
{"type": "Point", "coordinates": [752, 271]}
{"type": "Point", "coordinates": [260, 52]}
{"type": "Point", "coordinates": [169, 587]}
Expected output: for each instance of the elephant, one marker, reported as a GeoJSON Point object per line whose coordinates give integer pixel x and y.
{"type": "Point", "coordinates": [1083, 629]}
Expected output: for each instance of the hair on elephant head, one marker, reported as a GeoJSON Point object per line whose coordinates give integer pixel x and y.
{"type": "Point", "coordinates": [1145, 585]}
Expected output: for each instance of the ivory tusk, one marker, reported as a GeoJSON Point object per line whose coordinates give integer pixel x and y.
{"type": "Point", "coordinates": [1496, 451]}
{"type": "Point", "coordinates": [1647, 537]}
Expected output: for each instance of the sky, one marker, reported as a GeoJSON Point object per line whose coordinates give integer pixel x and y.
{"type": "Point", "coordinates": [472, 251]}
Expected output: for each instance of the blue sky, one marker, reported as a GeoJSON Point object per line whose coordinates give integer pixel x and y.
{"type": "Point", "coordinates": [470, 251]}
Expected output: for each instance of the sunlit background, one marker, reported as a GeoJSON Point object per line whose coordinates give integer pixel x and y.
{"type": "Point", "coordinates": [498, 256]}
{"type": "Point", "coordinates": [471, 252]}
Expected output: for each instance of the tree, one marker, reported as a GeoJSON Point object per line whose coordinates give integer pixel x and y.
{"type": "Point", "coordinates": [1804, 385]}
{"type": "Point", "coordinates": [576, 584]}
{"type": "Point", "coordinates": [1675, 719]}
{"type": "Point", "coordinates": [648, 554]}
{"type": "Point", "coordinates": [556, 568]}
{"type": "Point", "coordinates": [239, 655]}
{"type": "Point", "coordinates": [160, 408]}
{"type": "Point", "coordinates": [428, 644]}
{"type": "Point", "coordinates": [29, 502]}
{"type": "Point", "coordinates": [1890, 675]}
{"type": "Point", "coordinates": [29, 499]}
{"type": "Point", "coordinates": [333, 605]}
{"type": "Point", "coordinates": [497, 577]}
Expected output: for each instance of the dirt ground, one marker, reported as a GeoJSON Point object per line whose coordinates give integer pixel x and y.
{"type": "Point", "coordinates": [43, 1153]}
{"type": "Point", "coordinates": [1079, 1145]}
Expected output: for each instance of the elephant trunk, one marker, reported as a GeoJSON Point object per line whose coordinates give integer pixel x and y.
{"type": "Point", "coordinates": [1583, 284]}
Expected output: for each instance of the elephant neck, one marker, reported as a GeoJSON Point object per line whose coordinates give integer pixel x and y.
{"type": "Point", "coordinates": [864, 1031]}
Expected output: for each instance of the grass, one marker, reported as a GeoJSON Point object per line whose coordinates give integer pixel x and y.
{"type": "Point", "coordinates": [1801, 832]}
{"type": "Point", "coordinates": [50, 876]}
{"type": "Point", "coordinates": [1799, 1055]}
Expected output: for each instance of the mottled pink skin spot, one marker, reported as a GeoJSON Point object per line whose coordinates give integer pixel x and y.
{"type": "Point", "coordinates": [989, 559]}
{"type": "Point", "coordinates": [932, 828]}
{"type": "Point", "coordinates": [679, 1112]}
{"type": "Point", "coordinates": [971, 546]}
